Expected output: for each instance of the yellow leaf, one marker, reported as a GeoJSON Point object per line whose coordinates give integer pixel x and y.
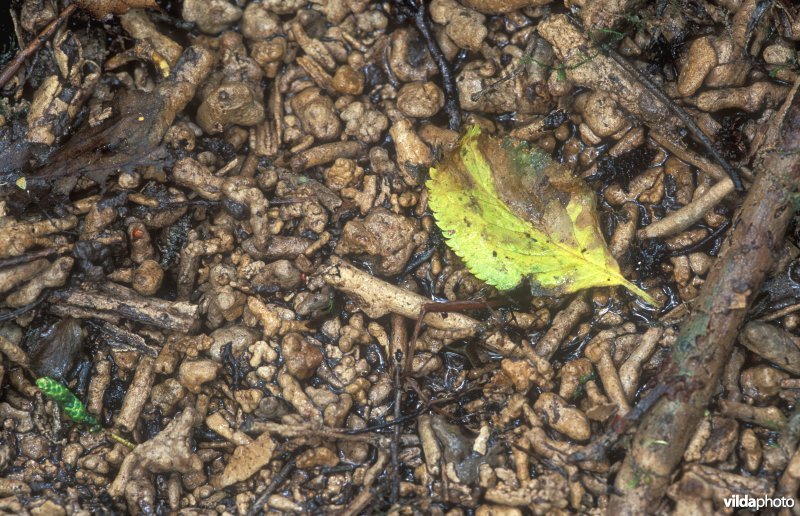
{"type": "Point", "coordinates": [511, 213]}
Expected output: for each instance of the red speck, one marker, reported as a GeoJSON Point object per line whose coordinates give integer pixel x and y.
{"type": "Point", "coordinates": [137, 233]}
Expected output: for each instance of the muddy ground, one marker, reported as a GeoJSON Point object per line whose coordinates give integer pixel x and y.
{"type": "Point", "coordinates": [216, 242]}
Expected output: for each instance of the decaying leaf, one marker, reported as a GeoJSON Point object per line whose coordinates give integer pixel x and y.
{"type": "Point", "coordinates": [511, 213]}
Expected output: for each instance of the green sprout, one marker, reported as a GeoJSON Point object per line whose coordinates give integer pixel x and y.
{"type": "Point", "coordinates": [789, 65]}
{"type": "Point", "coordinates": [633, 482]}
{"type": "Point", "coordinates": [74, 408]}
{"type": "Point", "coordinates": [580, 390]}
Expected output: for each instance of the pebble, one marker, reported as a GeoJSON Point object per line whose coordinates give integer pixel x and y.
{"type": "Point", "coordinates": [258, 23]}
{"type": "Point", "coordinates": [246, 460]}
{"type": "Point", "coordinates": [48, 508]}
{"type": "Point", "coordinates": [239, 336]}
{"type": "Point", "coordinates": [317, 114]}
{"type": "Point", "coordinates": [302, 359]}
{"type": "Point", "coordinates": [34, 446]}
{"type": "Point", "coordinates": [773, 344]}
{"type": "Point", "coordinates": [194, 373]}
{"type": "Point", "coordinates": [411, 151]}
{"type": "Point", "coordinates": [167, 394]}
{"type": "Point", "coordinates": [778, 55]}
{"type": "Point", "coordinates": [348, 81]}
{"type": "Point", "coordinates": [701, 59]}
{"type": "Point", "coordinates": [315, 457]}
{"type": "Point", "coordinates": [762, 382]}
{"type": "Point", "coordinates": [147, 278]}
{"type": "Point", "coordinates": [420, 99]}
{"type": "Point", "coordinates": [211, 16]}
{"type": "Point", "coordinates": [562, 417]}
{"type": "Point", "coordinates": [602, 115]}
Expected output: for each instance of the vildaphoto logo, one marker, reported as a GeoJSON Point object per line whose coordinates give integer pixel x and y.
{"type": "Point", "coordinates": [760, 502]}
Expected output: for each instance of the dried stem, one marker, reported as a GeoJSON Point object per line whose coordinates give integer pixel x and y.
{"type": "Point", "coordinates": [277, 480]}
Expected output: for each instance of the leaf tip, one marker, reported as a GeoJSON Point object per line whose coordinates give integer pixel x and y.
{"type": "Point", "coordinates": [644, 296]}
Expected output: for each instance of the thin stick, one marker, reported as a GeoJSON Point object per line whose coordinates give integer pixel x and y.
{"type": "Point", "coordinates": [447, 307]}
{"type": "Point", "coordinates": [399, 342]}
{"type": "Point", "coordinates": [682, 115]}
{"type": "Point", "coordinates": [687, 156]}
{"type": "Point", "coordinates": [781, 313]}
{"type": "Point", "coordinates": [29, 257]}
{"type": "Point", "coordinates": [679, 220]}
{"type": "Point", "coordinates": [394, 495]}
{"type": "Point", "coordinates": [13, 314]}
{"type": "Point", "coordinates": [597, 450]}
{"type": "Point", "coordinates": [120, 439]}
{"type": "Point", "coordinates": [282, 475]}
{"type": "Point", "coordinates": [450, 92]}
{"type": "Point", "coordinates": [34, 45]}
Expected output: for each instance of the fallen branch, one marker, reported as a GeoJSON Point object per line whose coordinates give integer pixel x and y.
{"type": "Point", "coordinates": [118, 301]}
{"type": "Point", "coordinates": [708, 335]}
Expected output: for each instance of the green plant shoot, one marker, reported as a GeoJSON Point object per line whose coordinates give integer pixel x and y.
{"type": "Point", "coordinates": [74, 408]}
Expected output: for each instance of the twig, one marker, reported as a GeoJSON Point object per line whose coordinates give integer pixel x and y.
{"type": "Point", "coordinates": [359, 503]}
{"type": "Point", "coordinates": [122, 339]}
{"type": "Point", "coordinates": [13, 314]}
{"type": "Point", "coordinates": [679, 220]}
{"type": "Point", "coordinates": [29, 257]}
{"type": "Point", "coordinates": [682, 115]}
{"type": "Point", "coordinates": [34, 45]}
{"type": "Point", "coordinates": [707, 337]}
{"type": "Point", "coordinates": [118, 301]}
{"type": "Point", "coordinates": [417, 9]}
{"type": "Point", "coordinates": [367, 493]}
{"type": "Point", "coordinates": [282, 475]}
{"type": "Point", "coordinates": [597, 450]}
{"type": "Point", "coordinates": [777, 314]}
{"type": "Point", "coordinates": [687, 156]}
{"type": "Point", "coordinates": [400, 341]}
{"type": "Point", "coordinates": [336, 434]}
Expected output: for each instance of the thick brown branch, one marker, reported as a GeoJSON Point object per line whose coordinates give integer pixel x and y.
{"type": "Point", "coordinates": [707, 337]}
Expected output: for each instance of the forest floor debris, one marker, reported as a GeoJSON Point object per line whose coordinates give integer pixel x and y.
{"type": "Point", "coordinates": [215, 233]}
